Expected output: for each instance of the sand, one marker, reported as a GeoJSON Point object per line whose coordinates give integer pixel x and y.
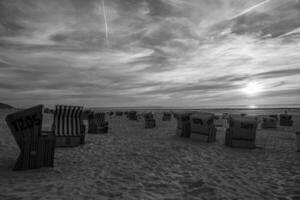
{"type": "Point", "coordinates": [131, 162]}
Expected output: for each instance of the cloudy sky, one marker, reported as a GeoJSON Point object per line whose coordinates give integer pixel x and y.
{"type": "Point", "coordinates": [150, 52]}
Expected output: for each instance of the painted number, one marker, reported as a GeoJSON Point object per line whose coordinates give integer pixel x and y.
{"type": "Point", "coordinates": [27, 122]}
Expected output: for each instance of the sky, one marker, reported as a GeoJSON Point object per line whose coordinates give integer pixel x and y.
{"type": "Point", "coordinates": [149, 52]}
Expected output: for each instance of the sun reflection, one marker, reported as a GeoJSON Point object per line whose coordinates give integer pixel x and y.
{"type": "Point", "coordinates": [252, 106]}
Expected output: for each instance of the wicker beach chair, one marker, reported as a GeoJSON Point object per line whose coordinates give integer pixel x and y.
{"type": "Point", "coordinates": [149, 120]}
{"type": "Point", "coordinates": [166, 116]}
{"type": "Point", "coordinates": [241, 132]}
{"type": "Point", "coordinates": [183, 124]}
{"type": "Point", "coordinates": [202, 124]}
{"type": "Point", "coordinates": [119, 113]}
{"type": "Point", "coordinates": [97, 123]}
{"type": "Point", "coordinates": [68, 126]}
{"type": "Point", "coordinates": [132, 115]}
{"type": "Point", "coordinates": [286, 120]}
{"type": "Point", "coordinates": [36, 146]}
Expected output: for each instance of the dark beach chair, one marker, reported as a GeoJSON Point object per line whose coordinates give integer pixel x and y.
{"type": "Point", "coordinates": [149, 120]}
{"type": "Point", "coordinates": [111, 113]}
{"type": "Point", "coordinates": [183, 124]}
{"type": "Point", "coordinates": [119, 113]}
{"type": "Point", "coordinates": [97, 123]}
{"type": "Point", "coordinates": [268, 122]}
{"type": "Point", "coordinates": [298, 141]}
{"type": "Point", "coordinates": [68, 126]}
{"type": "Point", "coordinates": [132, 115]}
{"type": "Point", "coordinates": [36, 146]}
{"type": "Point", "coordinates": [167, 116]}
{"type": "Point", "coordinates": [286, 120]}
{"type": "Point", "coordinates": [241, 132]}
{"type": "Point", "coordinates": [202, 124]}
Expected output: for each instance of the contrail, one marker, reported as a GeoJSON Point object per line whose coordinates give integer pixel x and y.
{"type": "Point", "coordinates": [250, 9]}
{"type": "Point", "coordinates": [105, 21]}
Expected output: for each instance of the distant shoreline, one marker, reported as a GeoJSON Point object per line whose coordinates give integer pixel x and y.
{"type": "Point", "coordinates": [174, 108]}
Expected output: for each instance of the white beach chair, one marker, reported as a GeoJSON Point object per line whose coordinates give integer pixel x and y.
{"type": "Point", "coordinates": [68, 126]}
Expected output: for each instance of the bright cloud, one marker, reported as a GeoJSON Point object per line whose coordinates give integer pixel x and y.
{"type": "Point", "coordinates": [160, 52]}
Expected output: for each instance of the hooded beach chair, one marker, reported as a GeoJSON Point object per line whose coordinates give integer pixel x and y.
{"type": "Point", "coordinates": [132, 115]}
{"type": "Point", "coordinates": [68, 126]}
{"type": "Point", "coordinates": [97, 123]}
{"type": "Point", "coordinates": [241, 132]}
{"type": "Point", "coordinates": [167, 116]}
{"type": "Point", "coordinates": [36, 146]}
{"type": "Point", "coordinates": [149, 120]}
{"type": "Point", "coordinates": [286, 120]}
{"type": "Point", "coordinates": [268, 122]}
{"type": "Point", "coordinates": [119, 113]}
{"type": "Point", "coordinates": [202, 124]}
{"type": "Point", "coordinates": [183, 124]}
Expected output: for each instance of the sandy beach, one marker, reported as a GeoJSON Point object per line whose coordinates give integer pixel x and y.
{"type": "Point", "coordinates": [131, 162]}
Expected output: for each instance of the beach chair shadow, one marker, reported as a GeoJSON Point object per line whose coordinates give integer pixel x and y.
{"type": "Point", "coordinates": [68, 126]}
{"type": "Point", "coordinates": [36, 146]}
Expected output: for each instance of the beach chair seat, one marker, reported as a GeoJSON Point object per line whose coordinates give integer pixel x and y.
{"type": "Point", "coordinates": [202, 124]}
{"type": "Point", "coordinates": [36, 146]}
{"type": "Point", "coordinates": [97, 123]}
{"type": "Point", "coordinates": [286, 120]}
{"type": "Point", "coordinates": [132, 115]}
{"type": "Point", "coordinates": [241, 132]}
{"type": "Point", "coordinates": [166, 116]}
{"type": "Point", "coordinates": [268, 122]}
{"type": "Point", "coordinates": [68, 126]}
{"type": "Point", "coordinates": [149, 120]}
{"type": "Point", "coordinates": [183, 124]}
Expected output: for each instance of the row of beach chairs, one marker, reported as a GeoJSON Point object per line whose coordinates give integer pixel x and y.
{"type": "Point", "coordinates": [240, 129]}
{"type": "Point", "coordinates": [37, 144]}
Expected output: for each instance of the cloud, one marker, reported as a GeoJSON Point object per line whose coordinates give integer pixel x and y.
{"type": "Point", "coordinates": [162, 52]}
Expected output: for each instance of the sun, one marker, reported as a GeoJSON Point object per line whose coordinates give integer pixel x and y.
{"type": "Point", "coordinates": [252, 88]}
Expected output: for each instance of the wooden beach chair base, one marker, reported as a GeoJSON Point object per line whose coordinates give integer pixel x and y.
{"type": "Point", "coordinates": [206, 137]}
{"type": "Point", "coordinates": [69, 141]}
{"type": "Point", "coordinates": [268, 126]}
{"type": "Point", "coordinates": [238, 142]}
{"type": "Point", "coordinates": [98, 130]}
